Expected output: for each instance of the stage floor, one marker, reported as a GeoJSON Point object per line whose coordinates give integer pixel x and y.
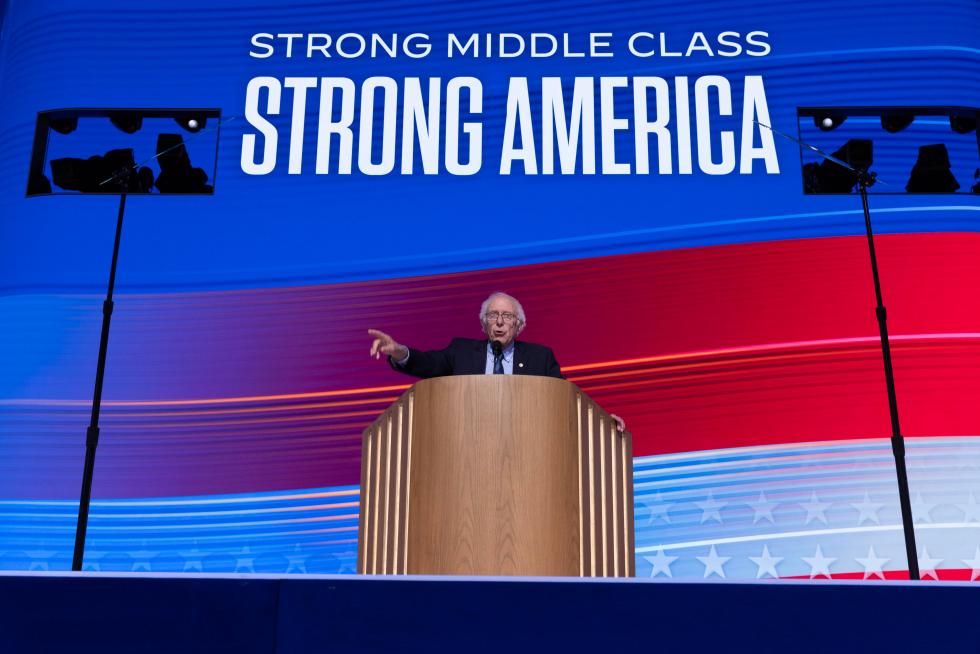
{"type": "Point", "coordinates": [264, 614]}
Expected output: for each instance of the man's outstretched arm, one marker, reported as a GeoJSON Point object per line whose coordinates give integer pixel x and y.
{"type": "Point", "coordinates": [409, 360]}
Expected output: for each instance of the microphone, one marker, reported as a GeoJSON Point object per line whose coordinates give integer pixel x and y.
{"type": "Point", "coordinates": [498, 349]}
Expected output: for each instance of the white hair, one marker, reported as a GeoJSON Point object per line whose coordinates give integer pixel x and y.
{"type": "Point", "coordinates": [517, 305]}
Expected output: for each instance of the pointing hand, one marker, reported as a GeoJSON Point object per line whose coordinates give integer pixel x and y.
{"type": "Point", "coordinates": [385, 344]}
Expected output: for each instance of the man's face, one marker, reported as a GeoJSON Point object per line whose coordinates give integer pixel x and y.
{"type": "Point", "coordinates": [501, 322]}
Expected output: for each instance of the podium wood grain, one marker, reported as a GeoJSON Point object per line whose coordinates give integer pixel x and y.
{"type": "Point", "coordinates": [496, 475]}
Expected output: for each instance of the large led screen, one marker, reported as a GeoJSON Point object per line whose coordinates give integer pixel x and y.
{"type": "Point", "coordinates": [388, 165]}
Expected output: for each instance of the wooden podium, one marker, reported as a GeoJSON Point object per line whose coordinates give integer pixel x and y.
{"type": "Point", "coordinates": [496, 475]}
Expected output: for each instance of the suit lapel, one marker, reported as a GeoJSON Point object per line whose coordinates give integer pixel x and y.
{"type": "Point", "coordinates": [480, 358]}
{"type": "Point", "coordinates": [519, 358]}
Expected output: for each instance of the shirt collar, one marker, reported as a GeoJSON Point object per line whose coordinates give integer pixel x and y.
{"type": "Point", "coordinates": [508, 352]}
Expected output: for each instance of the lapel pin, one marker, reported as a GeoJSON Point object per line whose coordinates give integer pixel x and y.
{"type": "Point", "coordinates": [520, 365]}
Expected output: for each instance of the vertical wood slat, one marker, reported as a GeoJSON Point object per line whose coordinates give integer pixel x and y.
{"type": "Point", "coordinates": [396, 488]}
{"type": "Point", "coordinates": [364, 517]}
{"type": "Point", "coordinates": [583, 538]}
{"type": "Point", "coordinates": [384, 485]}
{"type": "Point", "coordinates": [595, 466]}
{"type": "Point", "coordinates": [616, 522]}
{"type": "Point", "coordinates": [383, 512]}
{"type": "Point", "coordinates": [407, 415]}
{"type": "Point", "coordinates": [387, 533]}
{"type": "Point", "coordinates": [608, 511]}
{"type": "Point", "coordinates": [626, 465]}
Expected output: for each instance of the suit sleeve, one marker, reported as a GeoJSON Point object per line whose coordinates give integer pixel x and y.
{"type": "Point", "coordinates": [434, 363]}
{"type": "Point", "coordinates": [553, 369]}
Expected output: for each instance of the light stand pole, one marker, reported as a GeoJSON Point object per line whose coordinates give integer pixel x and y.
{"type": "Point", "coordinates": [898, 442]}
{"type": "Point", "coordinates": [92, 435]}
{"type": "Point", "coordinates": [863, 179]}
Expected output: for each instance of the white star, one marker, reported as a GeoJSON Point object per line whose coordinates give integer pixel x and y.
{"type": "Point", "coordinates": [763, 509]}
{"type": "Point", "coordinates": [296, 562]}
{"type": "Point", "coordinates": [971, 510]}
{"type": "Point", "coordinates": [815, 509]}
{"type": "Point", "coordinates": [710, 509]}
{"type": "Point", "coordinates": [661, 563]}
{"type": "Point", "coordinates": [974, 565]}
{"type": "Point", "coordinates": [141, 560]}
{"type": "Point", "coordinates": [39, 559]}
{"type": "Point", "coordinates": [713, 564]}
{"type": "Point", "coordinates": [867, 510]}
{"type": "Point", "coordinates": [192, 559]}
{"type": "Point", "coordinates": [657, 510]}
{"type": "Point", "coordinates": [244, 562]}
{"type": "Point", "coordinates": [91, 561]}
{"type": "Point", "coordinates": [873, 565]}
{"type": "Point", "coordinates": [819, 564]}
{"type": "Point", "coordinates": [928, 565]}
{"type": "Point", "coordinates": [921, 510]}
{"type": "Point", "coordinates": [767, 563]}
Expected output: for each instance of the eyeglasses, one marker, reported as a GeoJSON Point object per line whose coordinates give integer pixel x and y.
{"type": "Point", "coordinates": [509, 318]}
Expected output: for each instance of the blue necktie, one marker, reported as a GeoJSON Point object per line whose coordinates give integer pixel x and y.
{"type": "Point", "coordinates": [498, 365]}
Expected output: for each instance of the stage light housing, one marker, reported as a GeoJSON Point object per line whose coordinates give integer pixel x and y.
{"type": "Point", "coordinates": [931, 172]}
{"type": "Point", "coordinates": [126, 121]}
{"type": "Point", "coordinates": [918, 149]}
{"type": "Point", "coordinates": [895, 121]}
{"type": "Point", "coordinates": [122, 150]}
{"type": "Point", "coordinates": [963, 123]}
{"type": "Point", "coordinates": [64, 124]}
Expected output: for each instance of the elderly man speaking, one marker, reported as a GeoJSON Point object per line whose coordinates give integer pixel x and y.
{"type": "Point", "coordinates": [502, 317]}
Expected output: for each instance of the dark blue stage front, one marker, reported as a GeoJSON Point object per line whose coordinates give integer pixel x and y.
{"type": "Point", "coordinates": [104, 613]}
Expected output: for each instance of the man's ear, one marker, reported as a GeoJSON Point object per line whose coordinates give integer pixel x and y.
{"type": "Point", "coordinates": [520, 328]}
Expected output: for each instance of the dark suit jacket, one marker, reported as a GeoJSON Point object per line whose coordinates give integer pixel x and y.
{"type": "Point", "coordinates": [468, 356]}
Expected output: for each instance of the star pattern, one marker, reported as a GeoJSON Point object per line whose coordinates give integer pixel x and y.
{"type": "Point", "coordinates": [766, 563]}
{"type": "Point", "coordinates": [141, 560]}
{"type": "Point", "coordinates": [713, 564]}
{"type": "Point", "coordinates": [868, 510]}
{"type": "Point", "coordinates": [971, 510]}
{"type": "Point", "coordinates": [928, 565]}
{"type": "Point", "coordinates": [815, 509]}
{"type": "Point", "coordinates": [296, 562]}
{"type": "Point", "coordinates": [873, 565]}
{"type": "Point", "coordinates": [819, 564]}
{"type": "Point", "coordinates": [710, 509]}
{"type": "Point", "coordinates": [245, 561]}
{"type": "Point", "coordinates": [657, 509]}
{"type": "Point", "coordinates": [193, 560]}
{"type": "Point", "coordinates": [661, 563]}
{"type": "Point", "coordinates": [762, 509]}
{"type": "Point", "coordinates": [921, 510]}
{"type": "Point", "coordinates": [974, 565]}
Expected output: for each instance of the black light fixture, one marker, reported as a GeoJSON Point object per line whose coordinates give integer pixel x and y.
{"type": "Point", "coordinates": [896, 121]}
{"type": "Point", "coordinates": [99, 174]}
{"type": "Point", "coordinates": [64, 125]}
{"type": "Point", "coordinates": [931, 172]}
{"type": "Point", "coordinates": [176, 173]}
{"type": "Point", "coordinates": [127, 121]}
{"type": "Point", "coordinates": [963, 123]}
{"type": "Point", "coordinates": [830, 177]}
